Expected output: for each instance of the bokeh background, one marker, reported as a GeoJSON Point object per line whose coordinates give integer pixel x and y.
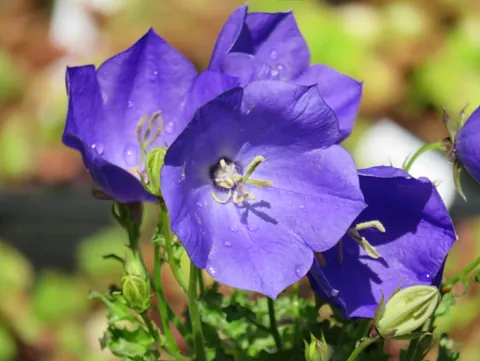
{"type": "Point", "coordinates": [414, 56]}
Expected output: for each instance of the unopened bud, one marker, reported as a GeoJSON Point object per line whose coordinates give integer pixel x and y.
{"type": "Point", "coordinates": [406, 310]}
{"type": "Point", "coordinates": [136, 289]}
{"type": "Point", "coordinates": [153, 165]}
{"type": "Point", "coordinates": [317, 350]}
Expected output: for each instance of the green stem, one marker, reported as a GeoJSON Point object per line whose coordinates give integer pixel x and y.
{"type": "Point", "coordinates": [162, 304]}
{"type": "Point", "coordinates": [361, 347]}
{"type": "Point", "coordinates": [201, 283]}
{"type": "Point", "coordinates": [419, 152]}
{"type": "Point", "coordinates": [273, 324]}
{"type": "Point", "coordinates": [462, 274]}
{"type": "Point", "coordinates": [174, 265]}
{"type": "Point", "coordinates": [198, 342]}
{"type": "Point", "coordinates": [153, 332]}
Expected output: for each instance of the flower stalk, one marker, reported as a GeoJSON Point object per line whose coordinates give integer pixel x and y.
{"type": "Point", "coordinates": [198, 341]}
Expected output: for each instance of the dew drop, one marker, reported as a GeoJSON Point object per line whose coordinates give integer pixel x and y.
{"type": "Point", "coordinates": [130, 155]}
{"type": "Point", "coordinates": [300, 270]}
{"type": "Point", "coordinates": [274, 73]}
{"type": "Point", "coordinates": [212, 271]}
{"type": "Point", "coordinates": [233, 229]}
{"type": "Point", "coordinates": [333, 292]}
{"type": "Point", "coordinates": [301, 206]}
{"type": "Point", "coordinates": [227, 244]}
{"type": "Point", "coordinates": [169, 127]}
{"type": "Point", "coordinates": [130, 104]}
{"type": "Point", "coordinates": [200, 204]}
{"type": "Point", "coordinates": [274, 55]}
{"type": "Point", "coordinates": [252, 228]}
{"type": "Point", "coordinates": [153, 76]}
{"type": "Point", "coordinates": [98, 147]}
{"type": "Point", "coordinates": [426, 277]}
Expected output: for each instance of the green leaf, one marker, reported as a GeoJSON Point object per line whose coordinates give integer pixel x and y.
{"type": "Point", "coordinates": [116, 306]}
{"type": "Point", "coordinates": [134, 344]}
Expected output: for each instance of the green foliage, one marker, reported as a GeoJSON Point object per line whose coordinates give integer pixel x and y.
{"type": "Point", "coordinates": [125, 336]}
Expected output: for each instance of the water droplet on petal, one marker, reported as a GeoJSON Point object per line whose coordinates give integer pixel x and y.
{"type": "Point", "coordinates": [234, 229]}
{"type": "Point", "coordinates": [169, 127]}
{"type": "Point", "coordinates": [200, 204]}
{"type": "Point", "coordinates": [212, 271]}
{"type": "Point", "coordinates": [153, 76]}
{"type": "Point", "coordinates": [426, 277]}
{"type": "Point", "coordinates": [130, 104]}
{"type": "Point", "coordinates": [274, 73]}
{"type": "Point", "coordinates": [301, 206]}
{"type": "Point", "coordinates": [130, 155]}
{"type": "Point", "coordinates": [333, 292]}
{"type": "Point", "coordinates": [98, 147]}
{"type": "Point", "coordinates": [253, 228]}
{"type": "Point", "coordinates": [274, 55]}
{"type": "Point", "coordinates": [227, 244]}
{"type": "Point", "coordinates": [300, 270]}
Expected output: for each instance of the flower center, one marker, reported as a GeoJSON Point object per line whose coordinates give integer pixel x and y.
{"type": "Point", "coordinates": [226, 175]}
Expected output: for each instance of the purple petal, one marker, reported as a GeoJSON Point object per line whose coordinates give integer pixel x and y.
{"type": "Point", "coordinates": [206, 86]}
{"type": "Point", "coordinates": [277, 41]}
{"type": "Point", "coordinates": [315, 194]}
{"type": "Point", "coordinates": [419, 235]}
{"type": "Point", "coordinates": [467, 148]}
{"type": "Point", "coordinates": [341, 92]}
{"type": "Point", "coordinates": [261, 46]}
{"type": "Point", "coordinates": [85, 107]}
{"type": "Point", "coordinates": [148, 77]}
{"type": "Point", "coordinates": [266, 244]}
{"type": "Point", "coordinates": [229, 34]}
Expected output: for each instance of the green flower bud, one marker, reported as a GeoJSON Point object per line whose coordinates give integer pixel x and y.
{"type": "Point", "coordinates": [406, 310]}
{"type": "Point", "coordinates": [153, 165]}
{"type": "Point", "coordinates": [136, 292]}
{"type": "Point", "coordinates": [136, 288]}
{"type": "Point", "coordinates": [317, 350]}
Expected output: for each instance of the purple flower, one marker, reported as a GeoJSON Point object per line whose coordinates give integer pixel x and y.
{"type": "Point", "coordinates": [258, 46]}
{"type": "Point", "coordinates": [418, 236]}
{"type": "Point", "coordinates": [256, 183]}
{"type": "Point", "coordinates": [136, 100]}
{"type": "Point", "coordinates": [467, 147]}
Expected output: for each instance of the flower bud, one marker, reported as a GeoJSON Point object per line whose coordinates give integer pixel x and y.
{"type": "Point", "coordinates": [317, 350]}
{"type": "Point", "coordinates": [406, 310]}
{"type": "Point", "coordinates": [153, 165]}
{"type": "Point", "coordinates": [136, 289]}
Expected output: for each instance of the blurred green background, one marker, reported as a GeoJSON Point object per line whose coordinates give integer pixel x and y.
{"type": "Point", "coordinates": [414, 56]}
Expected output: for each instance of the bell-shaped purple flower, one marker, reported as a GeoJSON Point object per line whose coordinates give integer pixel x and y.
{"type": "Point", "coordinates": [256, 184]}
{"type": "Point", "coordinates": [140, 98]}
{"type": "Point", "coordinates": [467, 146]}
{"type": "Point", "coordinates": [254, 46]}
{"type": "Point", "coordinates": [414, 235]}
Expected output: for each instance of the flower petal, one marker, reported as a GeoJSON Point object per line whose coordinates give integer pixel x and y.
{"type": "Point", "coordinates": [276, 40]}
{"type": "Point", "coordinates": [85, 107]}
{"type": "Point", "coordinates": [229, 34]}
{"type": "Point", "coordinates": [316, 194]}
{"type": "Point", "coordinates": [419, 234]}
{"type": "Point", "coordinates": [260, 46]}
{"type": "Point", "coordinates": [206, 86]}
{"type": "Point", "coordinates": [467, 149]}
{"type": "Point", "coordinates": [341, 92]}
{"type": "Point", "coordinates": [149, 76]}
